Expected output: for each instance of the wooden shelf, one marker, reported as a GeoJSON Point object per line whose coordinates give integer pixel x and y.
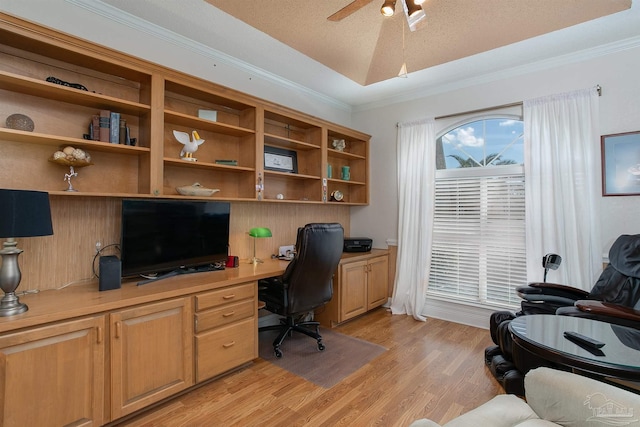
{"type": "Point", "coordinates": [290, 175]}
{"type": "Point", "coordinates": [196, 122]}
{"type": "Point", "coordinates": [53, 140]}
{"type": "Point", "coordinates": [205, 165]}
{"type": "Point", "coordinates": [292, 144]}
{"type": "Point", "coordinates": [154, 101]}
{"type": "Point", "coordinates": [43, 89]}
{"type": "Point", "coordinates": [344, 155]}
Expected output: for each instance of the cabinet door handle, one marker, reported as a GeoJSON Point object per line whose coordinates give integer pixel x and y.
{"type": "Point", "coordinates": [118, 329]}
{"type": "Point", "coordinates": [231, 313]}
{"type": "Point", "coordinates": [99, 336]}
{"type": "Point", "coordinates": [229, 296]}
{"type": "Point", "coordinates": [229, 344]}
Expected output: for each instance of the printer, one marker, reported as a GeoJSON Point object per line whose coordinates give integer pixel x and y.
{"type": "Point", "coordinates": [357, 244]}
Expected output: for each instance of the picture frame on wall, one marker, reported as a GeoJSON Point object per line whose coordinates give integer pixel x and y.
{"type": "Point", "coordinates": [280, 160]}
{"type": "Point", "coordinates": [621, 164]}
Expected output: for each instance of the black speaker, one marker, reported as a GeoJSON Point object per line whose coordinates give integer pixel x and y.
{"type": "Point", "coordinates": [110, 271]}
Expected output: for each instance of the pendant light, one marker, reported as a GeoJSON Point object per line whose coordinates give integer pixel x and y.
{"type": "Point", "coordinates": [403, 70]}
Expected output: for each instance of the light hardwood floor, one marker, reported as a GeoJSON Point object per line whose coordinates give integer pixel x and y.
{"type": "Point", "coordinates": [433, 369]}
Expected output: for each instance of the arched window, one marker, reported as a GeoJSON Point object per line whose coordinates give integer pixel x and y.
{"type": "Point", "coordinates": [478, 252]}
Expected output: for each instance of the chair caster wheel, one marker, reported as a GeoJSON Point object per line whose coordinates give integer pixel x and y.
{"type": "Point", "coordinates": [278, 353]}
{"type": "Point", "coordinates": [321, 346]}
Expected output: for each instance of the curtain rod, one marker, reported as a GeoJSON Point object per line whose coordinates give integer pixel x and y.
{"type": "Point", "coordinates": [482, 110]}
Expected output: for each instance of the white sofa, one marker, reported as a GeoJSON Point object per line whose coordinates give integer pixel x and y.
{"type": "Point", "coordinates": [554, 398]}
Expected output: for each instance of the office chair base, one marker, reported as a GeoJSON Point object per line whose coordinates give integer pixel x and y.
{"type": "Point", "coordinates": [287, 327]}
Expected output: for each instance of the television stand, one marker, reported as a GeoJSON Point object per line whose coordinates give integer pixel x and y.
{"type": "Point", "coordinates": [180, 271]}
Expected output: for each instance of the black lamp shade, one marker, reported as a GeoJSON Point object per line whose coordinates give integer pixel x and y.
{"type": "Point", "coordinates": [24, 213]}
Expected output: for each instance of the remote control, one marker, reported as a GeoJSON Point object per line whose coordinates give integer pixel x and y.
{"type": "Point", "coordinates": [590, 342]}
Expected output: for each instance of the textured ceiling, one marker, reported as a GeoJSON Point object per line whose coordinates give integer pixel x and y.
{"type": "Point", "coordinates": [368, 48]}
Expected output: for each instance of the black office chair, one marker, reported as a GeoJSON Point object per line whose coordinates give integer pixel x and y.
{"type": "Point", "coordinates": [306, 284]}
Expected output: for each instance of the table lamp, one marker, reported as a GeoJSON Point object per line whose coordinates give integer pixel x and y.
{"type": "Point", "coordinates": [22, 214]}
{"type": "Point", "coordinates": [257, 233]}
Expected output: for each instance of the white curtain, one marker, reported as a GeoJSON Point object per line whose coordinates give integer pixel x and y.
{"type": "Point", "coordinates": [416, 191]}
{"type": "Point", "coordinates": [562, 189]}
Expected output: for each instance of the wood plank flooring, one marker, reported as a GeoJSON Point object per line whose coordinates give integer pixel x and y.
{"type": "Point", "coordinates": [433, 369]}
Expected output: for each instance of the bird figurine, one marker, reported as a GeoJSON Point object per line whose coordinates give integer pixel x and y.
{"type": "Point", "coordinates": [190, 144]}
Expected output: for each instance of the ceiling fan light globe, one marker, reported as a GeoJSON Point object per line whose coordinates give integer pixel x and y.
{"type": "Point", "coordinates": [388, 8]}
{"type": "Point", "coordinates": [413, 9]}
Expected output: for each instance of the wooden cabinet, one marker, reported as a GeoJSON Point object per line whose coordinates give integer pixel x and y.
{"type": "Point", "coordinates": [226, 329]}
{"type": "Point", "coordinates": [238, 129]}
{"type": "Point", "coordinates": [151, 354]}
{"type": "Point", "coordinates": [227, 159]}
{"type": "Point", "coordinates": [83, 357]}
{"type": "Point", "coordinates": [53, 375]}
{"type": "Point", "coordinates": [360, 285]}
{"type": "Point", "coordinates": [354, 157]}
{"type": "Point", "coordinates": [61, 115]}
{"type": "Point", "coordinates": [292, 158]}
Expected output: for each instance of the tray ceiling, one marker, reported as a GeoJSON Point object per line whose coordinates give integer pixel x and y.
{"type": "Point", "coordinates": [368, 48]}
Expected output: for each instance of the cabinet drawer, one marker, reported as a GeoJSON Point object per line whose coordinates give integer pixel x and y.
{"type": "Point", "coordinates": [224, 315]}
{"type": "Point", "coordinates": [225, 348]}
{"type": "Point", "coordinates": [225, 296]}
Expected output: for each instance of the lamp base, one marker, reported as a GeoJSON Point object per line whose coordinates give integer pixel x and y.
{"type": "Point", "coordinates": [10, 305]}
{"type": "Point", "coordinates": [255, 260]}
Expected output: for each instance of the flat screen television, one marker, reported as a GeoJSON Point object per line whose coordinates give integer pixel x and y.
{"type": "Point", "coordinates": [163, 236]}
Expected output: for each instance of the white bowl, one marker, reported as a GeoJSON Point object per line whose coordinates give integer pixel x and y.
{"type": "Point", "coordinates": [196, 189]}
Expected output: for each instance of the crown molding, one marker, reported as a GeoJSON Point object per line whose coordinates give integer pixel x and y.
{"type": "Point", "coordinates": [424, 86]}
{"type": "Point", "coordinates": [533, 67]}
{"type": "Point", "coordinates": [116, 15]}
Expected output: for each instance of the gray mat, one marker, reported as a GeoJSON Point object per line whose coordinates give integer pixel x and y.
{"type": "Point", "coordinates": [342, 356]}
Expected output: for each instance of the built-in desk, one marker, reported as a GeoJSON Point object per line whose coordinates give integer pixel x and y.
{"type": "Point", "coordinates": [79, 356]}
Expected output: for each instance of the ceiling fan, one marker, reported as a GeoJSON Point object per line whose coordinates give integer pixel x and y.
{"type": "Point", "coordinates": [412, 8]}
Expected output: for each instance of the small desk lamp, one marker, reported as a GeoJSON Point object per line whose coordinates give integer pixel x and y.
{"type": "Point", "coordinates": [256, 233]}
{"type": "Point", "coordinates": [22, 214]}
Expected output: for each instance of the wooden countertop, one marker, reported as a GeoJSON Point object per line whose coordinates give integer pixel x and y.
{"type": "Point", "coordinates": [85, 299]}
{"type": "Point", "coordinates": [357, 256]}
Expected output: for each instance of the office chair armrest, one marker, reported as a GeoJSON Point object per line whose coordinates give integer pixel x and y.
{"type": "Point", "coordinates": [543, 288]}
{"type": "Point", "coordinates": [600, 308]}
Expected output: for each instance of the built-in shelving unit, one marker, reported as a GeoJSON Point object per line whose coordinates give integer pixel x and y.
{"type": "Point", "coordinates": [154, 101]}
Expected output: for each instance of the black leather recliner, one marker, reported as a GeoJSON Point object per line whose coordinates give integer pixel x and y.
{"type": "Point", "coordinates": [615, 298]}
{"type": "Point", "coordinates": [306, 284]}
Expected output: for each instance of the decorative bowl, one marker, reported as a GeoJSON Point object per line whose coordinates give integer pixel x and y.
{"type": "Point", "coordinates": [20, 122]}
{"type": "Point", "coordinates": [196, 189]}
{"type": "Point", "coordinates": [75, 163]}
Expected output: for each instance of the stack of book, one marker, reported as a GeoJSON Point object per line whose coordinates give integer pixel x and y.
{"type": "Point", "coordinates": [107, 126]}
{"type": "Point", "coordinates": [226, 162]}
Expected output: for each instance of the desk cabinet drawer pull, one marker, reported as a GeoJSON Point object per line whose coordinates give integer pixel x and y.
{"type": "Point", "coordinates": [231, 313]}
{"type": "Point", "coordinates": [230, 344]}
{"type": "Point", "coordinates": [229, 296]}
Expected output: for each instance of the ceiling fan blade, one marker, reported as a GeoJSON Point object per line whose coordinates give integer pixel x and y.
{"type": "Point", "coordinates": [352, 7]}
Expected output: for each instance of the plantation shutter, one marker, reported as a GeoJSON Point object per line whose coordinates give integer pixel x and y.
{"type": "Point", "coordinates": [478, 252]}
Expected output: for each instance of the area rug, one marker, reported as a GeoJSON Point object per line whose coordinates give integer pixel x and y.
{"type": "Point", "coordinates": [343, 355]}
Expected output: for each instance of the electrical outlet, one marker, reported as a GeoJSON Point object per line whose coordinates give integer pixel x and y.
{"type": "Point", "coordinates": [98, 246]}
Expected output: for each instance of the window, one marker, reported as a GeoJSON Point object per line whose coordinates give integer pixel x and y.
{"type": "Point", "coordinates": [478, 252]}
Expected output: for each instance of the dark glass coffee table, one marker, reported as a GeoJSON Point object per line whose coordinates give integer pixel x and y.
{"type": "Point", "coordinates": [542, 335]}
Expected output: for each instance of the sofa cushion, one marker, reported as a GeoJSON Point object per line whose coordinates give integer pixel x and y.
{"type": "Point", "coordinates": [569, 400]}
{"type": "Point", "coordinates": [504, 410]}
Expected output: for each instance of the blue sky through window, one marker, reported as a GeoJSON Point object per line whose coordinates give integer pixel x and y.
{"type": "Point", "coordinates": [471, 144]}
